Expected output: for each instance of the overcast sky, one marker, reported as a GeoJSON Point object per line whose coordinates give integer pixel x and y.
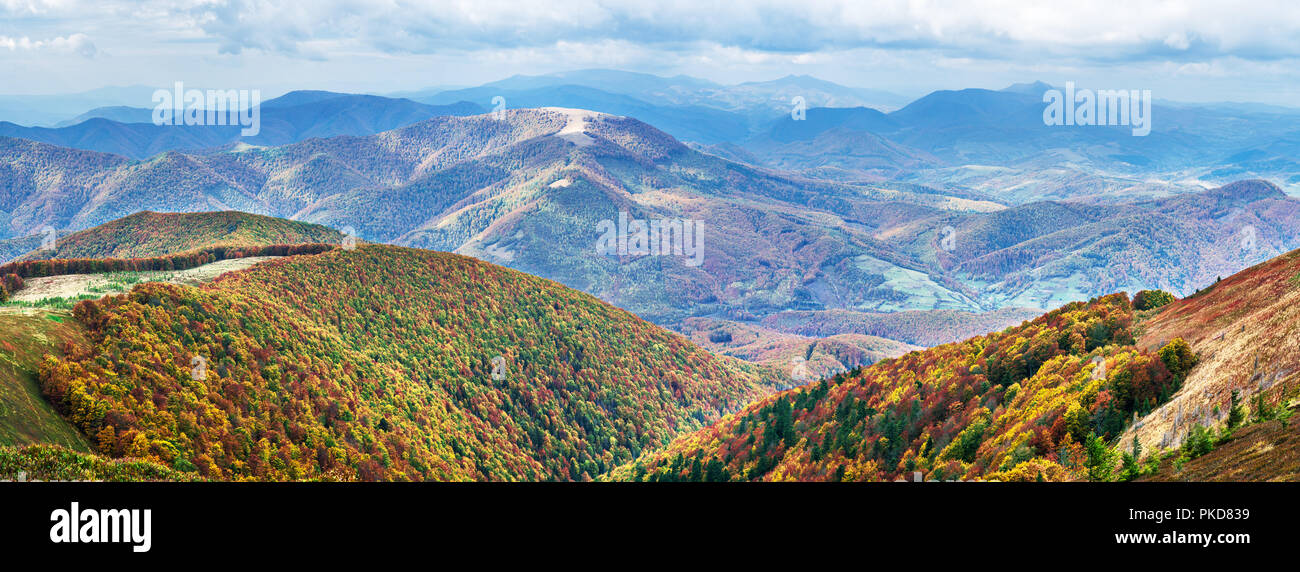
{"type": "Point", "coordinates": [1184, 50]}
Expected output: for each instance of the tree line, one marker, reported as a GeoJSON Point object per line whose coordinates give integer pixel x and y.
{"type": "Point", "coordinates": [182, 261]}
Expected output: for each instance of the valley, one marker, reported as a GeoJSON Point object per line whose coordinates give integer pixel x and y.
{"type": "Point", "coordinates": [61, 290]}
{"type": "Point", "coordinates": [373, 279]}
{"type": "Point", "coordinates": [516, 189]}
{"type": "Point", "coordinates": [804, 358]}
{"type": "Point", "coordinates": [1089, 375]}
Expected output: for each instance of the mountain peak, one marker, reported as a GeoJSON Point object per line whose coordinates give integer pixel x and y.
{"type": "Point", "coordinates": [1036, 87]}
{"type": "Point", "coordinates": [300, 97]}
{"type": "Point", "coordinates": [1251, 190]}
{"type": "Point", "coordinates": [574, 130]}
{"type": "Point", "coordinates": [576, 112]}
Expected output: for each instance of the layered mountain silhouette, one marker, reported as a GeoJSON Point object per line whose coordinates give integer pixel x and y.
{"type": "Point", "coordinates": [996, 142]}
{"type": "Point", "coordinates": [753, 100]}
{"type": "Point", "coordinates": [531, 188]}
{"type": "Point", "coordinates": [992, 142]}
{"type": "Point", "coordinates": [293, 117]}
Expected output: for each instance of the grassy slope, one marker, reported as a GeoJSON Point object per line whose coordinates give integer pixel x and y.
{"type": "Point", "coordinates": [150, 234]}
{"type": "Point", "coordinates": [54, 463]}
{"type": "Point", "coordinates": [25, 416]}
{"type": "Point", "coordinates": [1247, 330]}
{"type": "Point", "coordinates": [1267, 451]}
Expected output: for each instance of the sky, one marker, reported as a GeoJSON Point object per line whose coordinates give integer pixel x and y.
{"type": "Point", "coordinates": [1190, 50]}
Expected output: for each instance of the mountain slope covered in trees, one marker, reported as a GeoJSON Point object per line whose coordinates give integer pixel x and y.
{"type": "Point", "coordinates": [385, 363]}
{"type": "Point", "coordinates": [1048, 253]}
{"type": "Point", "coordinates": [1042, 400]}
{"type": "Point", "coordinates": [804, 358]}
{"type": "Point", "coordinates": [530, 188]}
{"type": "Point", "coordinates": [55, 463]}
{"type": "Point", "coordinates": [149, 235]}
{"type": "Point", "coordinates": [514, 189]}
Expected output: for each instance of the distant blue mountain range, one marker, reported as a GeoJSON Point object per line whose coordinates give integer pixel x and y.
{"type": "Point", "coordinates": [287, 119]}
{"type": "Point", "coordinates": [844, 133]}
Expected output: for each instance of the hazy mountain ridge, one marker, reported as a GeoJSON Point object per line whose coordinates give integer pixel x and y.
{"type": "Point", "coordinates": [990, 141]}
{"type": "Point", "coordinates": [997, 142]}
{"type": "Point", "coordinates": [288, 119]}
{"type": "Point", "coordinates": [529, 188]}
{"type": "Point", "coordinates": [447, 182]}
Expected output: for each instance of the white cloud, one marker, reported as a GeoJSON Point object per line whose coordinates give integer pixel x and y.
{"type": "Point", "coordinates": [1269, 28]}
{"type": "Point", "coordinates": [908, 45]}
{"type": "Point", "coordinates": [1106, 29]}
{"type": "Point", "coordinates": [19, 7]}
{"type": "Point", "coordinates": [79, 44]}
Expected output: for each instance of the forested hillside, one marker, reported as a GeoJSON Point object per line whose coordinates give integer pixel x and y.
{"type": "Point", "coordinates": [385, 363]}
{"type": "Point", "coordinates": [528, 188]}
{"type": "Point", "coordinates": [1041, 400]}
{"type": "Point", "coordinates": [805, 358]}
{"type": "Point", "coordinates": [1045, 254]}
{"type": "Point", "coordinates": [149, 234]}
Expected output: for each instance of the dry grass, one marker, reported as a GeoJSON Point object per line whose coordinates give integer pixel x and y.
{"type": "Point", "coordinates": [72, 286]}
{"type": "Point", "coordinates": [1261, 452]}
{"type": "Point", "coordinates": [1246, 329]}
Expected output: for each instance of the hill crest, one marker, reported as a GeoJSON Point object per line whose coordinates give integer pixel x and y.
{"type": "Point", "coordinates": [148, 234]}
{"type": "Point", "coordinates": [385, 363]}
